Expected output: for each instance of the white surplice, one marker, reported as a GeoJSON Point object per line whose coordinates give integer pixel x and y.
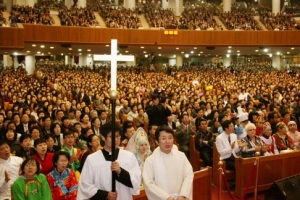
{"type": "Point", "coordinates": [167, 175]}
{"type": "Point", "coordinates": [11, 166]}
{"type": "Point", "coordinates": [96, 174]}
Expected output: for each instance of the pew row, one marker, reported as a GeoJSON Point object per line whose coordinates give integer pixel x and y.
{"type": "Point", "coordinates": [201, 186]}
{"type": "Point", "coordinates": [271, 169]}
{"type": "Point", "coordinates": [195, 160]}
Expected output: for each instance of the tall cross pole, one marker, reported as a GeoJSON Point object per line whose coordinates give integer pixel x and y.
{"type": "Point", "coordinates": [113, 58]}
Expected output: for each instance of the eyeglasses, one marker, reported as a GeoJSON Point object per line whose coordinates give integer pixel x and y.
{"type": "Point", "coordinates": [30, 165]}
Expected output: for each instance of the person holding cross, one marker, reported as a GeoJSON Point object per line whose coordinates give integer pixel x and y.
{"type": "Point", "coordinates": [96, 177]}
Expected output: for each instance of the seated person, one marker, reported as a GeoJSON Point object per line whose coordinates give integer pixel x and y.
{"type": "Point", "coordinates": [31, 184]}
{"type": "Point", "coordinates": [282, 139]}
{"type": "Point", "coordinates": [252, 142]}
{"type": "Point", "coordinates": [293, 133]}
{"type": "Point", "coordinates": [267, 139]}
{"type": "Point", "coordinates": [26, 150]}
{"type": "Point", "coordinates": [204, 140]}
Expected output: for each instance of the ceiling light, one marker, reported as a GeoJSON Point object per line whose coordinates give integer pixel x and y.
{"type": "Point", "coordinates": [287, 52]}
{"type": "Point", "coordinates": [229, 51]}
{"type": "Point", "coordinates": [126, 51]}
{"type": "Point", "coordinates": [49, 52]}
{"type": "Point", "coordinates": [144, 51]}
{"type": "Point", "coordinates": [34, 45]}
{"type": "Point", "coordinates": [256, 50]}
{"type": "Point", "coordinates": [292, 48]}
{"type": "Point", "coordinates": [15, 53]}
{"type": "Point", "coordinates": [88, 50]}
{"type": "Point", "coordinates": [146, 55]}
{"type": "Point", "coordinates": [192, 52]}
{"type": "Point", "coordinates": [142, 47]}
{"type": "Point", "coordinates": [186, 55]}
{"type": "Point", "coordinates": [238, 54]}
{"type": "Point", "coordinates": [278, 53]}
{"type": "Point", "coordinates": [42, 46]}
{"type": "Point", "coordinates": [159, 54]}
{"type": "Point", "coordinates": [27, 51]}
{"type": "Point", "coordinates": [70, 49]}
{"type": "Point", "coordinates": [107, 45]}
{"type": "Point", "coordinates": [270, 55]}
{"type": "Point", "coordinates": [80, 54]}
{"type": "Point", "coordinates": [227, 55]}
{"type": "Point", "coordinates": [266, 50]}
{"type": "Point", "coordinates": [51, 47]}
{"type": "Point", "coordinates": [38, 52]}
{"type": "Point", "coordinates": [201, 51]}
{"type": "Point", "coordinates": [62, 54]}
{"type": "Point", "coordinates": [177, 48]}
{"type": "Point", "coordinates": [238, 51]}
{"type": "Point", "coordinates": [79, 49]}
{"type": "Point", "coordinates": [159, 47]}
{"type": "Point", "coordinates": [199, 54]}
{"type": "Point", "coordinates": [195, 47]}
{"type": "Point", "coordinates": [182, 52]}
{"type": "Point", "coordinates": [229, 47]}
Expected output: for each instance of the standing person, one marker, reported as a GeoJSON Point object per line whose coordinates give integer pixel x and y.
{"type": "Point", "coordinates": [158, 112]}
{"type": "Point", "coordinates": [95, 179]}
{"type": "Point", "coordinates": [62, 180]}
{"type": "Point", "coordinates": [31, 185]}
{"type": "Point", "coordinates": [160, 178]}
{"type": "Point", "coordinates": [9, 170]}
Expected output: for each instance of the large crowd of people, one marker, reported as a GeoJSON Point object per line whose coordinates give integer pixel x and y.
{"type": "Point", "coordinates": [32, 15]}
{"type": "Point", "coordinates": [119, 17]}
{"type": "Point", "coordinates": [199, 17]}
{"type": "Point", "coordinates": [239, 21]}
{"type": "Point", "coordinates": [75, 16]}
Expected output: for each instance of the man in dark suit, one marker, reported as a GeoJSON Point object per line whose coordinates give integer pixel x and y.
{"type": "Point", "coordinates": [23, 127]}
{"type": "Point", "coordinates": [170, 122]}
{"type": "Point", "coordinates": [88, 98]}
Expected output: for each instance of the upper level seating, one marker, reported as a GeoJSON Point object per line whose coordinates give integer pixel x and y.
{"type": "Point", "coordinates": [2, 6]}
{"type": "Point", "coordinates": [77, 17]}
{"type": "Point", "coordinates": [239, 21]}
{"type": "Point", "coordinates": [279, 21]}
{"type": "Point", "coordinates": [159, 17]}
{"type": "Point", "coordinates": [293, 9]}
{"type": "Point", "coordinates": [119, 17]}
{"type": "Point", "coordinates": [52, 4]}
{"type": "Point", "coordinates": [199, 17]}
{"type": "Point", "coordinates": [32, 15]}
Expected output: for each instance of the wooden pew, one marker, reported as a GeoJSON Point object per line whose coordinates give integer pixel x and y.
{"type": "Point", "coordinates": [201, 186]}
{"type": "Point", "coordinates": [195, 159]}
{"type": "Point", "coordinates": [271, 169]}
{"type": "Point", "coordinates": [215, 172]}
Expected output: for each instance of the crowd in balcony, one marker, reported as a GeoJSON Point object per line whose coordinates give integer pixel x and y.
{"type": "Point", "coordinates": [31, 15]}
{"type": "Point", "coordinates": [278, 22]}
{"type": "Point", "coordinates": [199, 17]}
{"type": "Point", "coordinates": [239, 21]}
{"type": "Point", "coordinates": [159, 17]}
{"type": "Point", "coordinates": [119, 17]}
{"type": "Point", "coordinates": [75, 16]}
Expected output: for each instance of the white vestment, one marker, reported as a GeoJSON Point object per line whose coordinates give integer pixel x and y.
{"type": "Point", "coordinates": [96, 174]}
{"type": "Point", "coordinates": [11, 166]}
{"type": "Point", "coordinates": [167, 175]}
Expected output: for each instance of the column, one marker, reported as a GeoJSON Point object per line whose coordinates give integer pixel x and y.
{"type": "Point", "coordinates": [226, 5]}
{"type": "Point", "coordinates": [29, 64]}
{"type": "Point", "coordinates": [179, 60]}
{"type": "Point", "coordinates": [82, 61]}
{"type": "Point", "coordinates": [172, 61]}
{"type": "Point", "coordinates": [176, 6]}
{"type": "Point", "coordinates": [16, 63]}
{"type": "Point", "coordinates": [226, 60]}
{"type": "Point", "coordinates": [129, 4]}
{"type": "Point", "coordinates": [7, 61]}
{"type": "Point", "coordinates": [275, 6]}
{"type": "Point", "coordinates": [30, 2]}
{"type": "Point", "coordinates": [68, 60]}
{"type": "Point", "coordinates": [19, 2]}
{"type": "Point", "coordinates": [80, 3]}
{"type": "Point", "coordinates": [8, 4]}
{"type": "Point", "coordinates": [276, 61]}
{"type": "Point", "coordinates": [165, 4]}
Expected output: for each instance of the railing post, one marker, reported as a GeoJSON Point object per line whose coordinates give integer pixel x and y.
{"type": "Point", "coordinates": [257, 154]}
{"type": "Point", "coordinates": [220, 171]}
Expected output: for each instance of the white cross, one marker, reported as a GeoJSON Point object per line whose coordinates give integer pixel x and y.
{"type": "Point", "coordinates": [113, 58]}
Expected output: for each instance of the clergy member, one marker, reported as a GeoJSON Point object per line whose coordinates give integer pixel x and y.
{"type": "Point", "coordinates": [160, 178]}
{"type": "Point", "coordinates": [95, 179]}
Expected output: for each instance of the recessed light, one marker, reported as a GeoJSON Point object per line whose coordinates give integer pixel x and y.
{"type": "Point", "coordinates": [278, 53]}
{"type": "Point", "coordinates": [287, 52]}
{"type": "Point", "coordinates": [107, 45]}
{"type": "Point", "coordinates": [229, 51]}
{"type": "Point", "coordinates": [51, 47]}
{"type": "Point", "coordinates": [256, 50]}
{"type": "Point", "coordinates": [42, 46]}
{"type": "Point", "coordinates": [159, 54]}
{"type": "Point", "coordinates": [146, 55]}
{"type": "Point", "coordinates": [292, 48]}
{"type": "Point", "coordinates": [62, 54]}
{"type": "Point", "coordinates": [229, 47]}
{"type": "Point", "coordinates": [159, 47]}
{"type": "Point", "coordinates": [38, 52]}
{"type": "Point", "coordinates": [238, 51]}
{"type": "Point", "coordinates": [27, 51]}
{"type": "Point", "coordinates": [192, 52]}
{"type": "Point", "coordinates": [144, 51]}
{"type": "Point", "coordinates": [88, 50]}
{"type": "Point", "coordinates": [142, 47]}
{"type": "Point", "coordinates": [70, 49]}
{"type": "Point", "coordinates": [34, 45]}
{"type": "Point", "coordinates": [195, 47]}
{"type": "Point", "coordinates": [177, 48]}
{"type": "Point", "coordinates": [126, 51]}
{"type": "Point", "coordinates": [182, 52]}
{"type": "Point", "coordinates": [15, 53]}
{"type": "Point", "coordinates": [79, 49]}
{"type": "Point", "coordinates": [80, 54]}
{"type": "Point", "coordinates": [201, 51]}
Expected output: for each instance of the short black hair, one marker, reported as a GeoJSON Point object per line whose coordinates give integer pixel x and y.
{"type": "Point", "coordinates": [89, 139]}
{"type": "Point", "coordinates": [39, 141]}
{"type": "Point", "coordinates": [107, 128]}
{"type": "Point", "coordinates": [56, 157]}
{"type": "Point", "coordinates": [65, 134]}
{"type": "Point", "coordinates": [24, 137]}
{"type": "Point", "coordinates": [226, 124]}
{"type": "Point", "coordinates": [27, 161]}
{"type": "Point", "coordinates": [163, 128]}
{"type": "Point", "coordinates": [2, 142]}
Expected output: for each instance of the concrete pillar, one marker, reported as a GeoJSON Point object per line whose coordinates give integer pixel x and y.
{"type": "Point", "coordinates": [68, 60]}
{"type": "Point", "coordinates": [19, 2]}
{"type": "Point", "coordinates": [80, 3]}
{"type": "Point", "coordinates": [82, 60]}
{"type": "Point", "coordinates": [16, 63]}
{"type": "Point", "coordinates": [129, 4]}
{"type": "Point", "coordinates": [179, 60]}
{"type": "Point", "coordinates": [226, 5]}
{"type": "Point", "coordinates": [7, 61]}
{"type": "Point", "coordinates": [29, 64]}
{"type": "Point", "coordinates": [165, 4]}
{"type": "Point", "coordinates": [226, 60]}
{"type": "Point", "coordinates": [30, 2]}
{"type": "Point", "coordinates": [176, 6]}
{"type": "Point", "coordinates": [275, 6]}
{"type": "Point", "coordinates": [89, 61]}
{"type": "Point", "coordinates": [172, 61]}
{"type": "Point", "coordinates": [276, 61]}
{"type": "Point", "coordinates": [8, 4]}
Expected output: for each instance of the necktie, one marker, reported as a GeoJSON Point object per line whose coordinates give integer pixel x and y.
{"type": "Point", "coordinates": [25, 128]}
{"type": "Point", "coordinates": [229, 140]}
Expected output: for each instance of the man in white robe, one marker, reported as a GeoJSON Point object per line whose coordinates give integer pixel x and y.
{"type": "Point", "coordinates": [167, 173]}
{"type": "Point", "coordinates": [9, 170]}
{"type": "Point", "coordinates": [95, 180]}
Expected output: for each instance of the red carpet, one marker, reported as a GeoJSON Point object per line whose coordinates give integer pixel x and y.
{"type": "Point", "coordinates": [226, 196]}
